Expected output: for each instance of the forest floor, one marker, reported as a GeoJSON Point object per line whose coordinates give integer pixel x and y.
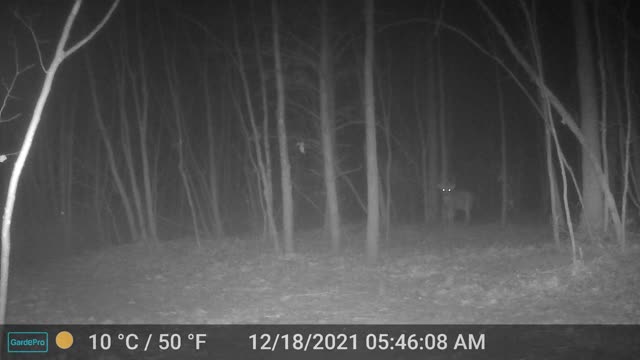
{"type": "Point", "coordinates": [476, 274]}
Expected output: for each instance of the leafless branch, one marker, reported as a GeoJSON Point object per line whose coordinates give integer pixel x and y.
{"type": "Point", "coordinates": [9, 88]}
{"type": "Point", "coordinates": [14, 117]}
{"type": "Point", "coordinates": [95, 30]}
{"type": "Point", "coordinates": [35, 40]}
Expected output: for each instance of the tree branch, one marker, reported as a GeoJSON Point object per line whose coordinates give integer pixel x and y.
{"type": "Point", "coordinates": [95, 30]}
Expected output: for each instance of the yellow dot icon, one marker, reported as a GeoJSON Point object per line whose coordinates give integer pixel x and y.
{"type": "Point", "coordinates": [64, 340]}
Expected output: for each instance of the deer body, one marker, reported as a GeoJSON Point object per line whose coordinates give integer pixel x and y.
{"type": "Point", "coordinates": [453, 201]}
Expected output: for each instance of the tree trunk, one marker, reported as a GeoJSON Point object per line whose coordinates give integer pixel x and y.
{"type": "Point", "coordinates": [554, 194]}
{"type": "Point", "coordinates": [373, 208]}
{"type": "Point", "coordinates": [181, 135]}
{"type": "Point", "coordinates": [442, 120]}
{"type": "Point", "coordinates": [592, 215]}
{"type": "Point", "coordinates": [549, 137]}
{"type": "Point", "coordinates": [268, 210]}
{"type": "Point", "coordinates": [60, 55]}
{"type": "Point", "coordinates": [260, 161]}
{"type": "Point", "coordinates": [111, 155]}
{"type": "Point", "coordinates": [130, 165]}
{"type": "Point", "coordinates": [504, 176]}
{"type": "Point", "coordinates": [141, 99]}
{"type": "Point", "coordinates": [213, 173]}
{"type": "Point", "coordinates": [567, 119]}
{"type": "Point", "coordinates": [327, 120]}
{"type": "Point", "coordinates": [432, 135]}
{"type": "Point", "coordinates": [285, 165]}
{"type": "Point", "coordinates": [65, 174]}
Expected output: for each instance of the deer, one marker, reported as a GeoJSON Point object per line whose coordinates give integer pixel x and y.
{"type": "Point", "coordinates": [453, 201]}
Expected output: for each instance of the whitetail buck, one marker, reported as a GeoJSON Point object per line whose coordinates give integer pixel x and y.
{"type": "Point", "coordinates": [453, 201]}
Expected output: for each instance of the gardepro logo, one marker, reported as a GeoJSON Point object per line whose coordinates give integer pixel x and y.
{"type": "Point", "coordinates": [27, 342]}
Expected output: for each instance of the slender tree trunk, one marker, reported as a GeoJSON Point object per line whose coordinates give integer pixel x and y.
{"type": "Point", "coordinates": [432, 133]}
{"type": "Point", "coordinates": [253, 136]}
{"type": "Point", "coordinates": [20, 161]}
{"type": "Point", "coordinates": [99, 201]}
{"type": "Point", "coordinates": [565, 116]}
{"type": "Point", "coordinates": [181, 136]}
{"type": "Point", "coordinates": [268, 205]}
{"type": "Point", "coordinates": [424, 163]}
{"type": "Point", "coordinates": [565, 197]}
{"type": "Point", "coordinates": [626, 75]}
{"type": "Point", "coordinates": [213, 163]}
{"type": "Point", "coordinates": [285, 165]}
{"type": "Point", "coordinates": [65, 175]}
{"type": "Point", "coordinates": [428, 134]}
{"type": "Point", "coordinates": [504, 174]}
{"type": "Point", "coordinates": [373, 208]}
{"type": "Point", "coordinates": [602, 72]}
{"type": "Point", "coordinates": [140, 89]}
{"type": "Point", "coordinates": [60, 55]}
{"type": "Point", "coordinates": [592, 215]}
{"type": "Point", "coordinates": [111, 157]}
{"type": "Point", "coordinates": [549, 133]}
{"type": "Point", "coordinates": [386, 189]}
{"type": "Point", "coordinates": [328, 131]}
{"type": "Point", "coordinates": [130, 165]}
{"type": "Point", "coordinates": [182, 167]}
{"type": "Point", "coordinates": [442, 119]}
{"type": "Point", "coordinates": [554, 195]}
{"type": "Point", "coordinates": [386, 195]}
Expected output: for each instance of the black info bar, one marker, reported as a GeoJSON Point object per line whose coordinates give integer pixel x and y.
{"type": "Point", "coordinates": [321, 342]}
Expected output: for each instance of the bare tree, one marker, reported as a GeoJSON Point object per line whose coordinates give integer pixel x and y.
{"type": "Point", "coordinates": [428, 136]}
{"type": "Point", "coordinates": [140, 91]}
{"type": "Point", "coordinates": [442, 118]}
{"type": "Point", "coordinates": [504, 175]}
{"type": "Point", "coordinates": [111, 155]}
{"type": "Point", "coordinates": [181, 135]}
{"type": "Point", "coordinates": [550, 138]}
{"type": "Point", "coordinates": [285, 165]}
{"type": "Point", "coordinates": [604, 121]}
{"type": "Point", "coordinates": [61, 53]}
{"type": "Point", "coordinates": [566, 117]}
{"type": "Point", "coordinates": [431, 190]}
{"type": "Point", "coordinates": [129, 161]}
{"type": "Point", "coordinates": [592, 215]}
{"type": "Point", "coordinates": [268, 207]}
{"type": "Point", "coordinates": [213, 181]}
{"type": "Point", "coordinates": [258, 156]}
{"type": "Point", "coordinates": [64, 171]}
{"type": "Point", "coordinates": [626, 167]}
{"type": "Point", "coordinates": [373, 181]}
{"type": "Point", "coordinates": [385, 94]}
{"type": "Point", "coordinates": [328, 129]}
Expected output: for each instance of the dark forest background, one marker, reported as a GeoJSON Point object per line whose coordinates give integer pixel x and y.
{"type": "Point", "coordinates": [171, 51]}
